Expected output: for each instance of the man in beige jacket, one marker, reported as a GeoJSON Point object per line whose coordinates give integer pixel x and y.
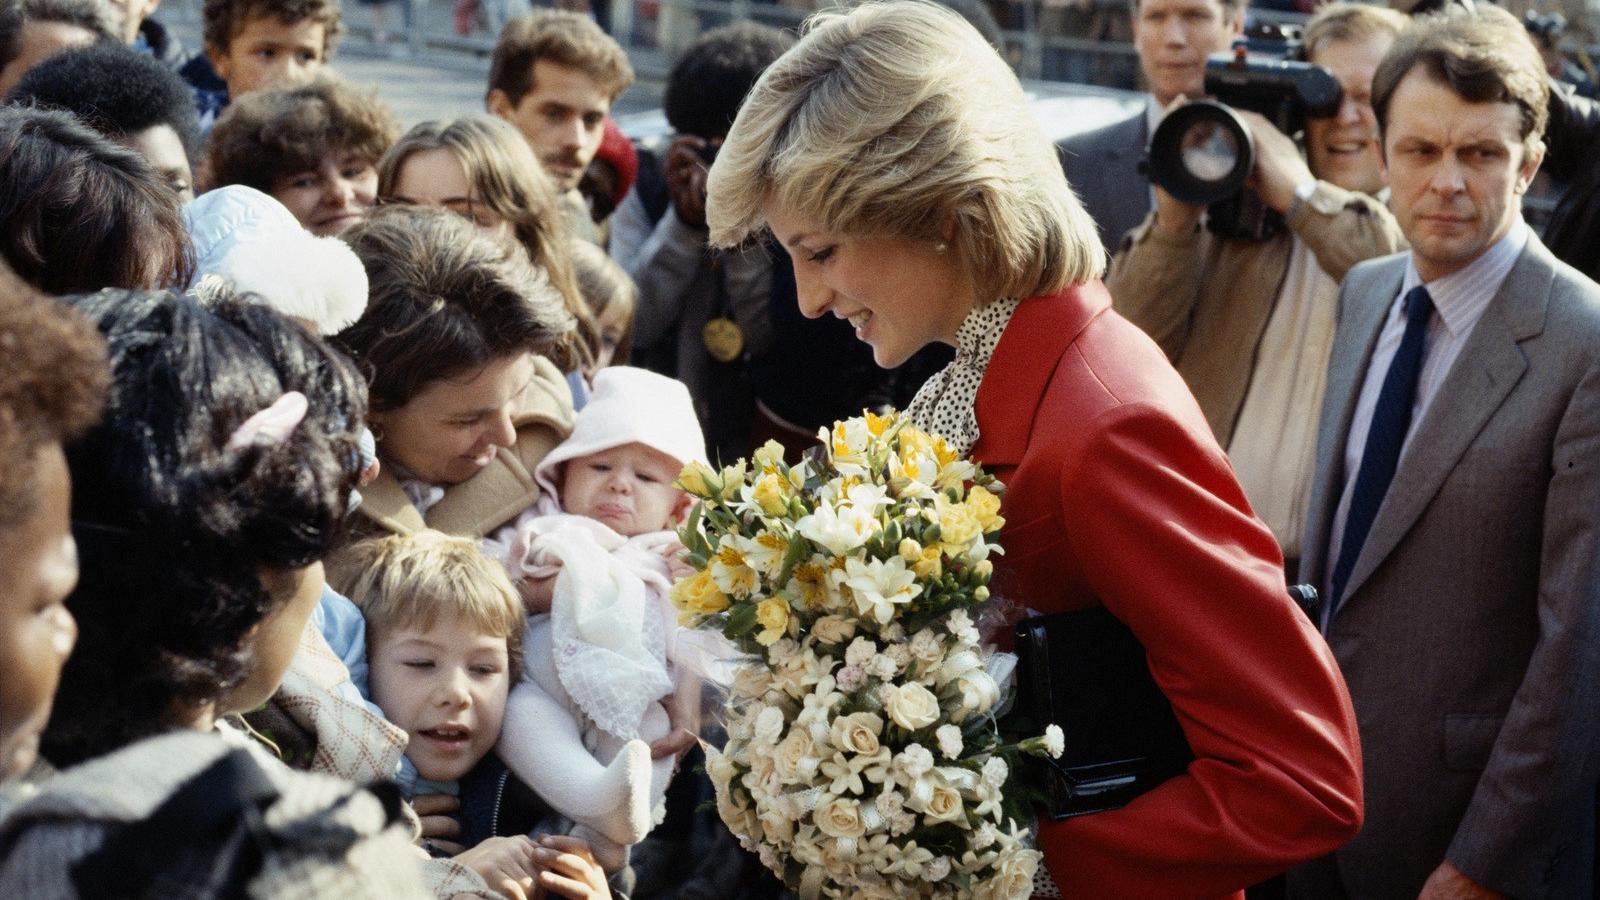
{"type": "Point", "coordinates": [1250, 325]}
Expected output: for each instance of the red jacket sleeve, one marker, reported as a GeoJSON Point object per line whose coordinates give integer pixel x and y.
{"type": "Point", "coordinates": [1165, 539]}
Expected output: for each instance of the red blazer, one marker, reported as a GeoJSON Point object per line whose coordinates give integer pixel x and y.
{"type": "Point", "coordinates": [1117, 494]}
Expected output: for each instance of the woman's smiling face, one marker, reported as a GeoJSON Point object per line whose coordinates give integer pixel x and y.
{"type": "Point", "coordinates": [900, 295]}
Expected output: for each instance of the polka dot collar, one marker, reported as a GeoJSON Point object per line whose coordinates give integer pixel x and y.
{"type": "Point", "coordinates": [947, 404]}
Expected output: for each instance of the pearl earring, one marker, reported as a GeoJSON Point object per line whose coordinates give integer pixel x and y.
{"type": "Point", "coordinates": [940, 247]}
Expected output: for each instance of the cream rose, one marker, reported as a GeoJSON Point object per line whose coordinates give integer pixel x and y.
{"type": "Point", "coordinates": [838, 817]}
{"type": "Point", "coordinates": [857, 733]}
{"type": "Point", "coordinates": [912, 706]}
{"type": "Point", "coordinates": [796, 758]}
{"type": "Point", "coordinates": [833, 629]}
{"type": "Point", "coordinates": [944, 804]}
{"type": "Point", "coordinates": [752, 681]}
{"type": "Point", "coordinates": [1013, 878]}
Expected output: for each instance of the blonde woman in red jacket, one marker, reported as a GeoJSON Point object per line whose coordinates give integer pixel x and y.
{"type": "Point", "coordinates": [892, 153]}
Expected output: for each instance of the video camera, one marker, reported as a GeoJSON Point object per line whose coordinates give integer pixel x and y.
{"type": "Point", "coordinates": [1202, 152]}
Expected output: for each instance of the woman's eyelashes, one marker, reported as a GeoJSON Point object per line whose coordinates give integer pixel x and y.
{"type": "Point", "coordinates": [823, 255]}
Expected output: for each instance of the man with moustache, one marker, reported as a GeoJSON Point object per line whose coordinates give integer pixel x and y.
{"type": "Point", "coordinates": [1452, 522]}
{"type": "Point", "coordinates": [1250, 324]}
{"type": "Point", "coordinates": [554, 75]}
{"type": "Point", "coordinates": [1173, 39]}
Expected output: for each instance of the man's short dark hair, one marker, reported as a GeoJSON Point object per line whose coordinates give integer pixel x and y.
{"type": "Point", "coordinates": [116, 90]}
{"type": "Point", "coordinates": [90, 15]}
{"type": "Point", "coordinates": [709, 82]}
{"type": "Point", "coordinates": [79, 212]}
{"type": "Point", "coordinates": [561, 37]}
{"type": "Point", "coordinates": [1483, 54]}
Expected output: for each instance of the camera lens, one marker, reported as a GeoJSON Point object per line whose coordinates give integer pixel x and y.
{"type": "Point", "coordinates": [1202, 152]}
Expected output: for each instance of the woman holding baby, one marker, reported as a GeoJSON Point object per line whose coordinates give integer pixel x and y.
{"type": "Point", "coordinates": [892, 153]}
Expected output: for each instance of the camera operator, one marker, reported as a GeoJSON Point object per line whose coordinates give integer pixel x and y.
{"type": "Point", "coordinates": [1573, 233]}
{"type": "Point", "coordinates": [1250, 324]}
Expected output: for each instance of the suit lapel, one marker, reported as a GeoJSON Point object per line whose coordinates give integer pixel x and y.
{"type": "Point", "coordinates": [1489, 366]}
{"type": "Point", "coordinates": [1363, 313]}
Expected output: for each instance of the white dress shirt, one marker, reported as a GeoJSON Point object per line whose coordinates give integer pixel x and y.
{"type": "Point", "coordinates": [1459, 300]}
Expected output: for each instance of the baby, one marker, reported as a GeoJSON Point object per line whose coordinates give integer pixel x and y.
{"type": "Point", "coordinates": [600, 545]}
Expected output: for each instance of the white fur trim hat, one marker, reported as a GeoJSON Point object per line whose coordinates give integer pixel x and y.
{"type": "Point", "coordinates": [254, 244]}
{"type": "Point", "coordinates": [629, 406]}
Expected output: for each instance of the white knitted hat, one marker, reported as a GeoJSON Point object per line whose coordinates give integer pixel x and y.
{"type": "Point", "coordinates": [254, 244]}
{"type": "Point", "coordinates": [629, 406]}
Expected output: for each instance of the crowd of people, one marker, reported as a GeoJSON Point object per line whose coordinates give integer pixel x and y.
{"type": "Point", "coordinates": [338, 461]}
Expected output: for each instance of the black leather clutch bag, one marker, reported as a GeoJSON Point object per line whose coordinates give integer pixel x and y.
{"type": "Point", "coordinates": [1086, 672]}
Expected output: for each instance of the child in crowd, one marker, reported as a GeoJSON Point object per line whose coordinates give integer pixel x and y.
{"type": "Point", "coordinates": [127, 96]}
{"type": "Point", "coordinates": [612, 297]}
{"type": "Point", "coordinates": [254, 45]}
{"type": "Point", "coordinates": [52, 380]}
{"type": "Point", "coordinates": [313, 148]}
{"type": "Point", "coordinates": [445, 629]}
{"type": "Point", "coordinates": [595, 559]}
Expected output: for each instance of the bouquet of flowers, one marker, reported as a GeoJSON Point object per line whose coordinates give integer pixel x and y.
{"type": "Point", "coordinates": [863, 756]}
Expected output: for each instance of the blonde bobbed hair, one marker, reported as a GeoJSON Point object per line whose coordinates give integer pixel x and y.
{"type": "Point", "coordinates": [896, 119]}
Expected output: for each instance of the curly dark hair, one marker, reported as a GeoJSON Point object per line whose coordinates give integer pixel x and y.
{"type": "Point", "coordinates": [223, 20]}
{"type": "Point", "coordinates": [444, 299]}
{"type": "Point", "coordinates": [712, 77]}
{"type": "Point", "coordinates": [265, 136]}
{"type": "Point", "coordinates": [176, 531]}
{"type": "Point", "coordinates": [79, 212]}
{"type": "Point", "coordinates": [52, 381]}
{"type": "Point", "coordinates": [116, 90]}
{"type": "Point", "coordinates": [89, 15]}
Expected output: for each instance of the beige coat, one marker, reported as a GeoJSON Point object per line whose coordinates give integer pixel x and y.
{"type": "Point", "coordinates": [497, 494]}
{"type": "Point", "coordinates": [1206, 301]}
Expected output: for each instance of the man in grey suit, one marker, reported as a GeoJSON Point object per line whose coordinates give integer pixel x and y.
{"type": "Point", "coordinates": [1453, 517]}
{"type": "Point", "coordinates": [1173, 39]}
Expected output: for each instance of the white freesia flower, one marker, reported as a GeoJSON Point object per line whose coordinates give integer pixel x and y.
{"type": "Point", "coordinates": [879, 586]}
{"type": "Point", "coordinates": [868, 497]}
{"type": "Point", "coordinates": [950, 743]}
{"type": "Point", "coordinates": [840, 529]}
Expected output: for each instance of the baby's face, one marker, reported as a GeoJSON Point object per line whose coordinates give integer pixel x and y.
{"type": "Point", "coordinates": [446, 686]}
{"type": "Point", "coordinates": [628, 488]}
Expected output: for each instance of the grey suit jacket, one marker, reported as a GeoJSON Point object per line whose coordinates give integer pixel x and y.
{"type": "Point", "coordinates": [1470, 631]}
{"type": "Point", "coordinates": [1103, 167]}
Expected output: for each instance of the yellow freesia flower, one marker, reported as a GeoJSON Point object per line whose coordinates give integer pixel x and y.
{"type": "Point", "coordinates": [698, 595]}
{"type": "Point", "coordinates": [773, 616]}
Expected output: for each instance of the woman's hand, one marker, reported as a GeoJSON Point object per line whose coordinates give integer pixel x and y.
{"type": "Point", "coordinates": [570, 869]}
{"type": "Point", "coordinates": [438, 829]}
{"type": "Point", "coordinates": [506, 865]}
{"type": "Point", "coordinates": [537, 594]}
